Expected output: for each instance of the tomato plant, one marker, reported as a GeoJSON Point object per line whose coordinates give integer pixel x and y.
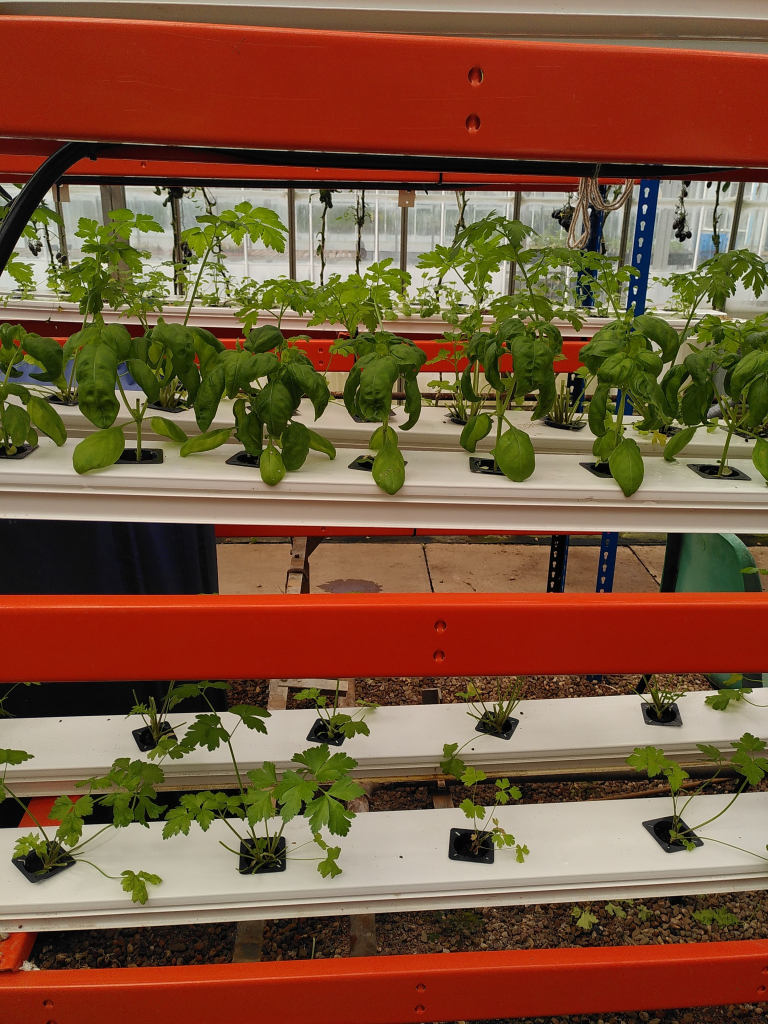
{"type": "Point", "coordinates": [726, 373]}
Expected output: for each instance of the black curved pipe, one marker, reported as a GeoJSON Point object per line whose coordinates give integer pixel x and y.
{"type": "Point", "coordinates": [32, 194]}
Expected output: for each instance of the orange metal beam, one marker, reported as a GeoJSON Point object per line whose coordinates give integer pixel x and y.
{"type": "Point", "coordinates": [258, 88]}
{"type": "Point", "coordinates": [162, 637]}
{"type": "Point", "coordinates": [399, 989]}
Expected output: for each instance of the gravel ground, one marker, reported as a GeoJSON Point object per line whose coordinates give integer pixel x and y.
{"type": "Point", "coordinates": [408, 690]}
{"type": "Point", "coordinates": [135, 947]}
{"type": "Point", "coordinates": [294, 939]}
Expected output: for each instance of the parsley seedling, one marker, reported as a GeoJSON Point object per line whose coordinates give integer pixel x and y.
{"type": "Point", "coordinates": [746, 760]}
{"type": "Point", "coordinates": [336, 722]}
{"type": "Point", "coordinates": [319, 787]}
{"type": "Point", "coordinates": [485, 825]}
{"type": "Point", "coordinates": [131, 794]}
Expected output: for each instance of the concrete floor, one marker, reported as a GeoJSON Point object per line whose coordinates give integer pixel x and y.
{"type": "Point", "coordinates": [407, 567]}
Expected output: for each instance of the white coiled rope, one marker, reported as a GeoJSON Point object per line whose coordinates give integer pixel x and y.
{"type": "Point", "coordinates": [589, 195]}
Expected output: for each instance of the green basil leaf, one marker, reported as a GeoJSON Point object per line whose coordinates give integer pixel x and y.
{"type": "Point", "coordinates": [312, 384]}
{"type": "Point", "coordinates": [375, 393]}
{"type": "Point", "coordinates": [389, 468]}
{"type": "Point", "coordinates": [205, 442]}
{"type": "Point", "coordinates": [146, 380]}
{"type": "Point", "coordinates": [118, 339]}
{"type": "Point", "coordinates": [318, 443]}
{"type": "Point", "coordinates": [677, 442]}
{"type": "Point", "coordinates": [760, 456]}
{"type": "Point", "coordinates": [264, 339]}
{"type": "Point", "coordinates": [15, 424]}
{"type": "Point", "coordinates": [179, 341]}
{"type": "Point", "coordinates": [695, 403]}
{"type": "Point", "coordinates": [45, 351]}
{"type": "Point", "coordinates": [208, 398]}
{"type": "Point", "coordinates": [547, 396]}
{"type": "Point", "coordinates": [250, 429]}
{"type": "Point", "coordinates": [626, 465]}
{"type": "Point", "coordinates": [381, 435]}
{"type": "Point", "coordinates": [604, 445]}
{"type": "Point", "coordinates": [99, 450]}
{"type": "Point", "coordinates": [274, 407]}
{"type": "Point", "coordinates": [746, 369]}
{"type": "Point", "coordinates": [467, 390]}
{"type": "Point", "coordinates": [47, 420]}
{"type": "Point", "coordinates": [167, 428]}
{"type": "Point", "coordinates": [96, 382]}
{"type": "Point", "coordinates": [271, 466]}
{"type": "Point", "coordinates": [598, 407]}
{"type": "Point", "coordinates": [514, 454]}
{"type": "Point", "coordinates": [757, 402]}
{"type": "Point", "coordinates": [658, 330]}
{"type": "Point", "coordinates": [412, 400]}
{"type": "Point", "coordinates": [295, 446]}
{"type": "Point", "coordinates": [475, 429]}
{"type": "Point", "coordinates": [16, 389]}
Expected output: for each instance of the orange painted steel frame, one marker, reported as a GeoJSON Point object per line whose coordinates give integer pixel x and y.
{"type": "Point", "coordinates": [436, 635]}
{"type": "Point", "coordinates": [396, 989]}
{"type": "Point", "coordinates": [270, 89]}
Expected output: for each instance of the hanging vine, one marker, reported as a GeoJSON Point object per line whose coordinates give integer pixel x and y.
{"type": "Point", "coordinates": [680, 224]}
{"type": "Point", "coordinates": [717, 213]}
{"type": "Point", "coordinates": [461, 202]}
{"type": "Point", "coordinates": [326, 201]}
{"type": "Point", "coordinates": [360, 216]}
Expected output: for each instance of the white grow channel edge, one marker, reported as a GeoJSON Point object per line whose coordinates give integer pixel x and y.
{"type": "Point", "coordinates": [554, 735]}
{"type": "Point", "coordinates": [440, 492]}
{"type": "Point", "coordinates": [395, 861]}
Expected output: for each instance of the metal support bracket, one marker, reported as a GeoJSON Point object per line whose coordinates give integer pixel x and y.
{"type": "Point", "coordinates": [297, 579]}
{"type": "Point", "coordinates": [32, 194]}
{"type": "Point", "coordinates": [558, 563]}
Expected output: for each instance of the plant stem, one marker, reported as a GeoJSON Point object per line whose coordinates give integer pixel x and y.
{"type": "Point", "coordinates": [138, 418]}
{"type": "Point", "coordinates": [26, 810]}
{"type": "Point", "coordinates": [197, 283]}
{"type": "Point", "coordinates": [726, 446]}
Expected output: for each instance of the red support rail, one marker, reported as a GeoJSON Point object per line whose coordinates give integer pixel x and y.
{"type": "Point", "coordinates": [170, 637]}
{"type": "Point", "coordinates": [398, 989]}
{"type": "Point", "coordinates": [318, 350]}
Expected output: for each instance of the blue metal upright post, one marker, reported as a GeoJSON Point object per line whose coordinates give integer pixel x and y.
{"type": "Point", "coordinates": [558, 552]}
{"type": "Point", "coordinates": [642, 247]}
{"type": "Point", "coordinates": [638, 293]}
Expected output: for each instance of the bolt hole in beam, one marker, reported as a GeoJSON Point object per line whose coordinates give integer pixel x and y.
{"type": "Point", "coordinates": [475, 76]}
{"type": "Point", "coordinates": [440, 626]}
{"type": "Point", "coordinates": [473, 123]}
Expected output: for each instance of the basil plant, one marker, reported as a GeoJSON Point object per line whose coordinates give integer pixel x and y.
{"type": "Point", "coordinates": [629, 353]}
{"type": "Point", "coordinates": [381, 359]}
{"type": "Point", "coordinates": [20, 420]}
{"type": "Point", "coordinates": [726, 378]}
{"type": "Point", "coordinates": [267, 378]}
